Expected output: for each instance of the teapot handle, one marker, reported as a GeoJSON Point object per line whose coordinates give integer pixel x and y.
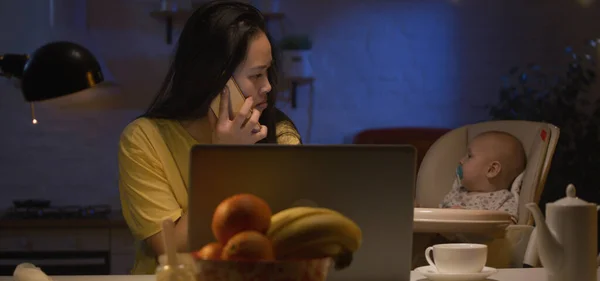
{"type": "Point", "coordinates": [598, 258]}
{"type": "Point", "coordinates": [531, 258]}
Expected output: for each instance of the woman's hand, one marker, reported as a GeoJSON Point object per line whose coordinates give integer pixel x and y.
{"type": "Point", "coordinates": [243, 129]}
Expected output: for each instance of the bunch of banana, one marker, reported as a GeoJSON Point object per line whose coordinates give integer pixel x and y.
{"type": "Point", "coordinates": [309, 232]}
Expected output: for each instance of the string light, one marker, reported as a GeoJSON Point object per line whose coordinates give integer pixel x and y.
{"type": "Point", "coordinates": [33, 120]}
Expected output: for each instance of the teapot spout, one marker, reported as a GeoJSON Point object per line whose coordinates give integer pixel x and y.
{"type": "Point", "coordinates": [551, 252]}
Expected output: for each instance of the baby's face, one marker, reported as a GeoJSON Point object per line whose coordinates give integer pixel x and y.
{"type": "Point", "coordinates": [475, 164]}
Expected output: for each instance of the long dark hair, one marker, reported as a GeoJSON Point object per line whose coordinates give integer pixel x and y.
{"type": "Point", "coordinates": [213, 42]}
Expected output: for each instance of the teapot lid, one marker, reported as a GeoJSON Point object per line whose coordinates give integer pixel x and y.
{"type": "Point", "coordinates": [571, 199]}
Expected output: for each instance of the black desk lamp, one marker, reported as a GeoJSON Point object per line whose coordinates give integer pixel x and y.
{"type": "Point", "coordinates": [54, 70]}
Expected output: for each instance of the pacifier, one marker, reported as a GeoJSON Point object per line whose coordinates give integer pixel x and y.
{"type": "Point", "coordinates": [459, 173]}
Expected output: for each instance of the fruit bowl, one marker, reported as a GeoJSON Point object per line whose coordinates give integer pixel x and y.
{"type": "Point", "coordinates": [292, 270]}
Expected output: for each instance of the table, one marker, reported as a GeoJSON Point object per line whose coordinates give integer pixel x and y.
{"type": "Point", "coordinates": [528, 274]}
{"type": "Point", "coordinates": [516, 274]}
{"type": "Point", "coordinates": [492, 224]}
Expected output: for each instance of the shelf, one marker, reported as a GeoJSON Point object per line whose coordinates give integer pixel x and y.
{"type": "Point", "coordinates": [274, 16]}
{"type": "Point", "coordinates": [268, 15]}
{"type": "Point", "coordinates": [171, 14]}
{"type": "Point", "coordinates": [295, 82]}
{"type": "Point", "coordinates": [300, 80]}
{"type": "Point", "coordinates": [168, 17]}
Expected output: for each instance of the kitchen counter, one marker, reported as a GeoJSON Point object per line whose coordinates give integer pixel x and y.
{"type": "Point", "coordinates": [114, 220]}
{"type": "Point", "coordinates": [530, 274]}
{"type": "Point", "coordinates": [27, 239]}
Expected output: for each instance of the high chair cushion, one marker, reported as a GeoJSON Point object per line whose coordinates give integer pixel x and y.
{"type": "Point", "coordinates": [515, 188]}
{"type": "Point", "coordinates": [437, 171]}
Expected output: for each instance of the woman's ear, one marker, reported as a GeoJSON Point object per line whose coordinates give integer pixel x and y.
{"type": "Point", "coordinates": [493, 170]}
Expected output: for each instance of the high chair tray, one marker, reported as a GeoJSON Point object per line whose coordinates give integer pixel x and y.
{"type": "Point", "coordinates": [434, 220]}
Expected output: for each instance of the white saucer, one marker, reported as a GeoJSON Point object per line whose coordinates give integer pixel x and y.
{"type": "Point", "coordinates": [431, 273]}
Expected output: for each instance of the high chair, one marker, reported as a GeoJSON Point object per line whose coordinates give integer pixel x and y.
{"type": "Point", "coordinates": [506, 241]}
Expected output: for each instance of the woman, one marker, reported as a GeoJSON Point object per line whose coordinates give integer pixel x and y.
{"type": "Point", "coordinates": [222, 39]}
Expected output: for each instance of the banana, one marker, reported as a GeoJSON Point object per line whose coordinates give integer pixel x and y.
{"type": "Point", "coordinates": [282, 218]}
{"type": "Point", "coordinates": [306, 232]}
{"type": "Point", "coordinates": [317, 228]}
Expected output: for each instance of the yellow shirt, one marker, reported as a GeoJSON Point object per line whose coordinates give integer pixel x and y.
{"type": "Point", "coordinates": [153, 177]}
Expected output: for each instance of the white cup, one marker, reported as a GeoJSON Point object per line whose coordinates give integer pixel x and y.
{"type": "Point", "coordinates": [457, 257]}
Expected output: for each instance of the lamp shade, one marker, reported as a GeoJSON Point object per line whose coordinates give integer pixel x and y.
{"type": "Point", "coordinates": [57, 69]}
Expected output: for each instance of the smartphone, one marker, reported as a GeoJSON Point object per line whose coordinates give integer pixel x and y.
{"type": "Point", "coordinates": [236, 99]}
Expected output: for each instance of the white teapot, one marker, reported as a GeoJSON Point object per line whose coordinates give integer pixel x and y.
{"type": "Point", "coordinates": [567, 238]}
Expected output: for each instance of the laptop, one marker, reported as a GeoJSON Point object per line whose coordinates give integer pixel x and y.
{"type": "Point", "coordinates": [371, 184]}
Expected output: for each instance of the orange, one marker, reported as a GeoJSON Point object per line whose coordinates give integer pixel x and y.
{"type": "Point", "coordinates": [210, 251]}
{"type": "Point", "coordinates": [242, 212]}
{"type": "Point", "coordinates": [248, 245]}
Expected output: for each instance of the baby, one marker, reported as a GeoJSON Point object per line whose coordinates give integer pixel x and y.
{"type": "Point", "coordinates": [484, 179]}
{"type": "Point", "coordinates": [485, 175]}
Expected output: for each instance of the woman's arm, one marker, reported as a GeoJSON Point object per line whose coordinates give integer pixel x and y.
{"type": "Point", "coordinates": [156, 242]}
{"type": "Point", "coordinates": [146, 195]}
{"type": "Point", "coordinates": [287, 133]}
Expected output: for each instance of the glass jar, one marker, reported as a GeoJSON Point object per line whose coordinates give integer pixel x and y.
{"type": "Point", "coordinates": [182, 272]}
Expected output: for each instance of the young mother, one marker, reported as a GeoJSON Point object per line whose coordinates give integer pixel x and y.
{"type": "Point", "coordinates": [222, 39]}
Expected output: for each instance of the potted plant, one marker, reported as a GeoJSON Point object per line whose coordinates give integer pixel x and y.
{"type": "Point", "coordinates": [533, 94]}
{"type": "Point", "coordinates": [295, 54]}
{"type": "Point", "coordinates": [266, 6]}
